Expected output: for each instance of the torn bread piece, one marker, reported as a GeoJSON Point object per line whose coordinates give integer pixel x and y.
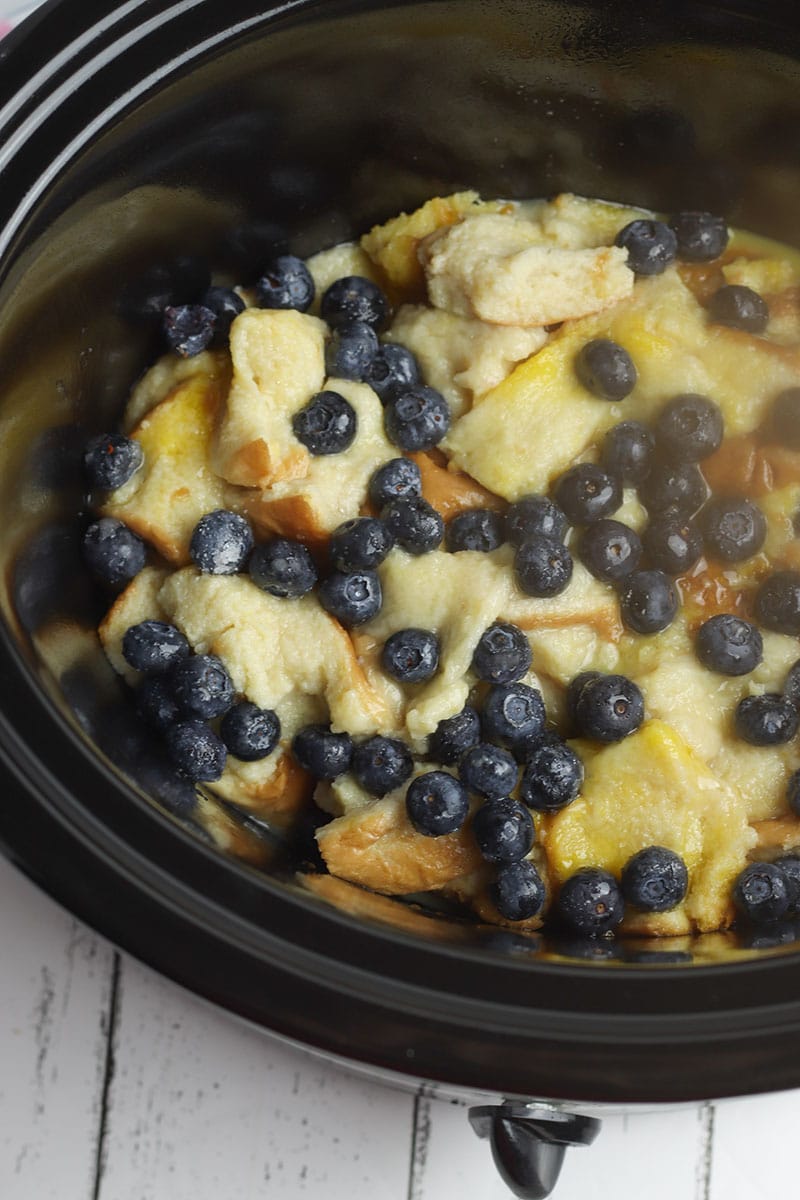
{"type": "Point", "coordinates": [279, 653]}
{"type": "Point", "coordinates": [138, 602]}
{"type": "Point", "coordinates": [496, 268]}
{"type": "Point", "coordinates": [334, 489]}
{"type": "Point", "coordinates": [377, 847]}
{"type": "Point", "coordinates": [675, 348]}
{"type": "Point", "coordinates": [337, 263]}
{"type": "Point", "coordinates": [652, 790]}
{"type": "Point", "coordinates": [278, 365]}
{"type": "Point", "coordinates": [176, 485]}
{"type": "Point", "coordinates": [462, 357]}
{"type": "Point", "coordinates": [393, 246]}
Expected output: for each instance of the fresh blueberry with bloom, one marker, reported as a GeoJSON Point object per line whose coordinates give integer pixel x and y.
{"type": "Point", "coordinates": [250, 733]}
{"type": "Point", "coordinates": [154, 646]}
{"type": "Point", "coordinates": [221, 543]}
{"type": "Point", "coordinates": [110, 459]}
{"type": "Point", "coordinates": [323, 753]}
{"type": "Point", "coordinates": [285, 283]}
{"type": "Point", "coordinates": [283, 568]}
{"type": "Point", "coordinates": [202, 686]}
{"type": "Point", "coordinates": [381, 764]}
{"type": "Point", "coordinates": [502, 655]}
{"type": "Point", "coordinates": [113, 553]}
{"type": "Point", "coordinates": [436, 803]}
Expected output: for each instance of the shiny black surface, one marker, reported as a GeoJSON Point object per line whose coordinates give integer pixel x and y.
{"type": "Point", "coordinates": [162, 142]}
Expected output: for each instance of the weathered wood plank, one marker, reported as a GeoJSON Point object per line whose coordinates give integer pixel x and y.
{"type": "Point", "coordinates": [54, 993]}
{"type": "Point", "coordinates": [201, 1107]}
{"type": "Point", "coordinates": [755, 1148]}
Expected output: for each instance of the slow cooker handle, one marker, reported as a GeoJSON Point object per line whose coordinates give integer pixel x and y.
{"type": "Point", "coordinates": [529, 1142]}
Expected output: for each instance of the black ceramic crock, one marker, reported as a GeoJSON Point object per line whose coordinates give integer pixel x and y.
{"type": "Point", "coordinates": [141, 142]}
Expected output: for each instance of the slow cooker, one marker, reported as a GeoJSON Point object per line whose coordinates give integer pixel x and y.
{"type": "Point", "coordinates": [145, 141]}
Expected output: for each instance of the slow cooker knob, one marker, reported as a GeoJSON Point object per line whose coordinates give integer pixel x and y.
{"type": "Point", "coordinates": [529, 1142]}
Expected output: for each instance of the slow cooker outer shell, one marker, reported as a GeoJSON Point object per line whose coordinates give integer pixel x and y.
{"type": "Point", "coordinates": [102, 174]}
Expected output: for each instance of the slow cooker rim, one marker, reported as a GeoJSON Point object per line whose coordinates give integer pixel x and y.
{"type": "Point", "coordinates": [621, 973]}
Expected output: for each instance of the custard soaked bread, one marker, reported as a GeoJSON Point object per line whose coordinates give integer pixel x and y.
{"type": "Point", "coordinates": [479, 539]}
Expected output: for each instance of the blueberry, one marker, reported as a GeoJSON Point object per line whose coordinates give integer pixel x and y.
{"type": "Point", "coordinates": [791, 687]}
{"type": "Point", "coordinates": [249, 732]}
{"type": "Point", "coordinates": [417, 419]}
{"type": "Point", "coordinates": [221, 543]}
{"type": "Point", "coordinates": [154, 646]}
{"type": "Point", "coordinates": [156, 703]}
{"type": "Point", "coordinates": [648, 601]}
{"type": "Point", "coordinates": [283, 568]}
{"type": "Point", "coordinates": [325, 754]}
{"type": "Point", "coordinates": [517, 891]}
{"type": "Point", "coordinates": [411, 655]}
{"type": "Point", "coordinates": [574, 689]}
{"type": "Point", "coordinates": [513, 712]}
{"type": "Point", "coordinates": [701, 236]}
{"type": "Point", "coordinates": [677, 486]}
{"type": "Point", "coordinates": [778, 602]}
{"type": "Point", "coordinates": [542, 566]}
{"type": "Point", "coordinates": [609, 708]}
{"type": "Point", "coordinates": [351, 351]}
{"type": "Point", "coordinates": [672, 543]}
{"type": "Point", "coordinates": [654, 880]}
{"type": "Point", "coordinates": [609, 550]}
{"type": "Point", "coordinates": [689, 428]}
{"type": "Point", "coordinates": [586, 492]}
{"type": "Point", "coordinates": [226, 305]}
{"type": "Point", "coordinates": [488, 771]}
{"type": "Point", "coordinates": [761, 893]}
{"type": "Point", "coordinates": [729, 645]}
{"type": "Point", "coordinates": [196, 751]}
{"type": "Point", "coordinates": [382, 764]}
{"type": "Point", "coordinates": [502, 655]}
{"type": "Point", "coordinates": [202, 686]}
{"type": "Point", "coordinates": [360, 544]}
{"type": "Point", "coordinates": [503, 830]}
{"type": "Point", "coordinates": [784, 424]}
{"type": "Point", "coordinates": [534, 515]}
{"type": "Point", "coordinates": [188, 328]}
{"type": "Point", "coordinates": [605, 369]}
{"type": "Point", "coordinates": [790, 865]}
{"type": "Point", "coordinates": [393, 370]}
{"type": "Point", "coordinates": [733, 529]}
{"type": "Point", "coordinates": [354, 298]}
{"type": "Point", "coordinates": [327, 425]}
{"type": "Point", "coordinates": [454, 736]}
{"type": "Point", "coordinates": [113, 553]}
{"type": "Point", "coordinates": [353, 597]}
{"type": "Point", "coordinates": [767, 720]}
{"type": "Point", "coordinates": [628, 451]}
{"type": "Point", "coordinates": [474, 529]}
{"type": "Point", "coordinates": [436, 804]}
{"type": "Point", "coordinates": [651, 246]}
{"type": "Point", "coordinates": [552, 776]}
{"type": "Point", "coordinates": [590, 901]}
{"type": "Point", "coordinates": [111, 459]}
{"type": "Point", "coordinates": [793, 793]}
{"type": "Point", "coordinates": [285, 283]}
{"type": "Point", "coordinates": [739, 307]}
{"type": "Point", "coordinates": [397, 479]}
{"type": "Point", "coordinates": [414, 524]}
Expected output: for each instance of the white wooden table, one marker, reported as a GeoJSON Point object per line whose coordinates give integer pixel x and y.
{"type": "Point", "coordinates": [117, 1085]}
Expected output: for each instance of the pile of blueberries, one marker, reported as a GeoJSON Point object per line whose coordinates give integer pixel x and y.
{"type": "Point", "coordinates": [181, 692]}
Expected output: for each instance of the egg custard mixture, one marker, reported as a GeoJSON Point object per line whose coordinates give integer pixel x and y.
{"type": "Point", "coordinates": [481, 536]}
